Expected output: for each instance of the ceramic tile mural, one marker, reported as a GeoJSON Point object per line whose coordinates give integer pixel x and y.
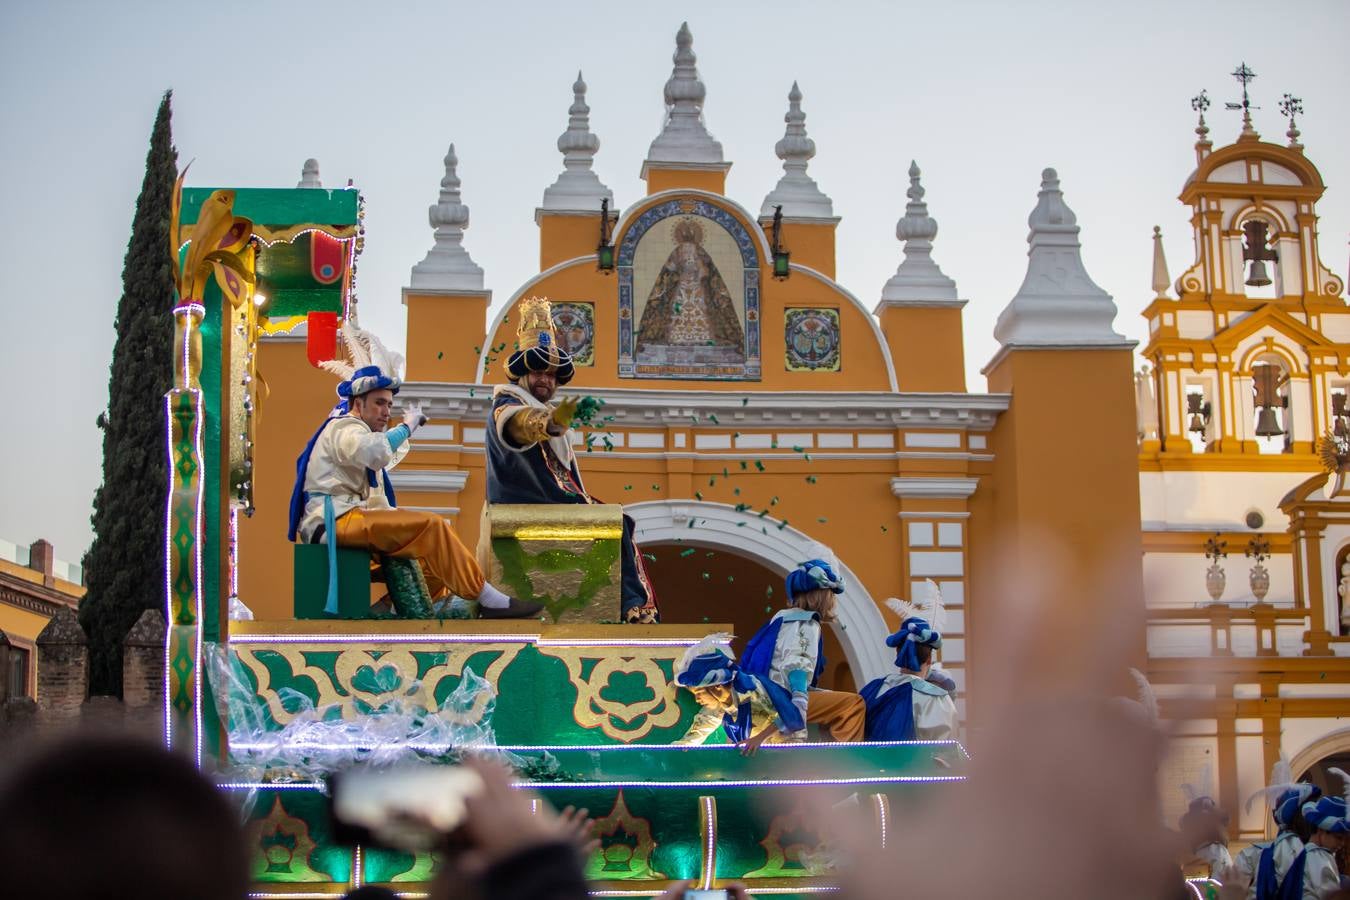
{"type": "Point", "coordinates": [811, 336]}
{"type": "Point", "coordinates": [575, 326]}
{"type": "Point", "coordinates": [688, 295]}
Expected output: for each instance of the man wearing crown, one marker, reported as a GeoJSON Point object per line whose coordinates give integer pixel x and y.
{"type": "Point", "coordinates": [343, 497]}
{"type": "Point", "coordinates": [529, 444]}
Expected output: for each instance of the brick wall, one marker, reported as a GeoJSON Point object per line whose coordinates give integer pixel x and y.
{"type": "Point", "coordinates": [143, 662]}
{"type": "Point", "coordinates": [63, 666]}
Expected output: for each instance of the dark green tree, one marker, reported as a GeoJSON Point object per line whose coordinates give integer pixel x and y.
{"type": "Point", "coordinates": [124, 567]}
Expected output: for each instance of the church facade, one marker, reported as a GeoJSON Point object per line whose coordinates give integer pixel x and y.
{"type": "Point", "coordinates": [756, 409]}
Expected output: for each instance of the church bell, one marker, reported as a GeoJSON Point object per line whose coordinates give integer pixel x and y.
{"type": "Point", "coordinates": [1266, 423]}
{"type": "Point", "coordinates": [1258, 277]}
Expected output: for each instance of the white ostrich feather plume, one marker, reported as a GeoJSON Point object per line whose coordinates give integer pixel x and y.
{"type": "Point", "coordinates": [1281, 780]}
{"type": "Point", "coordinates": [363, 349]}
{"type": "Point", "coordinates": [720, 640]}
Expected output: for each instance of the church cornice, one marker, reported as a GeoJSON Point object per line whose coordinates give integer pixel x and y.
{"type": "Point", "coordinates": [731, 411]}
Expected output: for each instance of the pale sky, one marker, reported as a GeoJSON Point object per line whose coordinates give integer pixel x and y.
{"type": "Point", "coordinates": [983, 94]}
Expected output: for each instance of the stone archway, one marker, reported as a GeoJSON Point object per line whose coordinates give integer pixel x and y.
{"type": "Point", "coordinates": [861, 630]}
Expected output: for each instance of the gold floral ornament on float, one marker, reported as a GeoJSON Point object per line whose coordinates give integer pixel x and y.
{"type": "Point", "coordinates": [622, 719]}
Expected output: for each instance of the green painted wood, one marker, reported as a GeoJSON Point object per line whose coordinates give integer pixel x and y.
{"type": "Point", "coordinates": [280, 207]}
{"type": "Point", "coordinates": [311, 582]}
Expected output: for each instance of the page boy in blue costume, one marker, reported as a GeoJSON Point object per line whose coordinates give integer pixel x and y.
{"type": "Point", "coordinates": [790, 651]}
{"type": "Point", "coordinates": [529, 444]}
{"type": "Point", "coordinates": [1326, 818]}
{"type": "Point", "coordinates": [343, 496]}
{"type": "Point", "coordinates": [914, 703]}
{"type": "Point", "coordinates": [1268, 866]}
{"type": "Point", "coordinates": [752, 711]}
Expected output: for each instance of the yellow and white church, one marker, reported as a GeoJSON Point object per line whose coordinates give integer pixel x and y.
{"type": "Point", "coordinates": [755, 408]}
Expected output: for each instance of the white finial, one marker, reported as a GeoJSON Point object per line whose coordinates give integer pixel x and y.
{"type": "Point", "coordinates": [1058, 304]}
{"type": "Point", "coordinates": [447, 265]}
{"type": "Point", "coordinates": [684, 137]}
{"type": "Point", "coordinates": [309, 175]}
{"type": "Point", "coordinates": [578, 187]}
{"type": "Point", "coordinates": [918, 279]}
{"type": "Point", "coordinates": [1160, 277]}
{"type": "Point", "coordinates": [797, 192]}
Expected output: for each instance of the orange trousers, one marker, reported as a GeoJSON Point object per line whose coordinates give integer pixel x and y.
{"type": "Point", "coordinates": [423, 536]}
{"type": "Point", "coordinates": [844, 714]}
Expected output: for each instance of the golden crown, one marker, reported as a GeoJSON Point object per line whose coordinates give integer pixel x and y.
{"type": "Point", "coordinates": [536, 318]}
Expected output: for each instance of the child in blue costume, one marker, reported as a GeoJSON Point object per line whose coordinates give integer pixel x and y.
{"type": "Point", "coordinates": [790, 651]}
{"type": "Point", "coordinates": [1326, 818]}
{"type": "Point", "coordinates": [751, 711]}
{"type": "Point", "coordinates": [914, 703]}
{"type": "Point", "coordinates": [1269, 866]}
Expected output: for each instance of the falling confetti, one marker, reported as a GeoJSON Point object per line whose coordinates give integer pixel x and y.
{"type": "Point", "coordinates": [691, 523]}
{"type": "Point", "coordinates": [768, 609]}
{"type": "Point", "coordinates": [742, 507]}
{"type": "Point", "coordinates": [744, 465]}
{"type": "Point", "coordinates": [810, 479]}
{"type": "Point", "coordinates": [706, 576]}
{"type": "Point", "coordinates": [883, 529]}
{"type": "Point", "coordinates": [725, 473]}
{"type": "Point", "coordinates": [731, 578]}
{"type": "Point", "coordinates": [713, 418]}
{"type": "Point", "coordinates": [656, 487]}
{"type": "Point", "coordinates": [651, 557]}
{"type": "Point", "coordinates": [627, 487]}
{"type": "Point", "coordinates": [440, 354]}
{"type": "Point", "coordinates": [759, 465]}
{"type": "Point", "coordinates": [745, 401]}
{"type": "Point", "coordinates": [712, 481]}
{"type": "Point", "coordinates": [806, 456]}
{"type": "Point", "coordinates": [689, 552]}
{"type": "Point", "coordinates": [698, 495]}
{"type": "Point", "coordinates": [822, 520]}
{"type": "Point", "coordinates": [736, 491]}
{"type": "Point", "coordinates": [774, 501]}
{"type": "Point", "coordinates": [694, 419]}
{"type": "Point", "coordinates": [768, 591]}
{"type": "Point", "coordinates": [797, 449]}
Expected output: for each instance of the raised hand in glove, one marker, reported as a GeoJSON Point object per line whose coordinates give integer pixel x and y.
{"type": "Point", "coordinates": [564, 413]}
{"type": "Point", "coordinates": [413, 417]}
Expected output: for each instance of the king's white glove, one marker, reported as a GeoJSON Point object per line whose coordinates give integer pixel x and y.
{"type": "Point", "coordinates": [413, 417]}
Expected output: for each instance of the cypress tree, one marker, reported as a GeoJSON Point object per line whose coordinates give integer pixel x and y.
{"type": "Point", "coordinates": [124, 567]}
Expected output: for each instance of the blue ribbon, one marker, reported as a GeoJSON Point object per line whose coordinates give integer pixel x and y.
{"type": "Point", "coordinates": [330, 529]}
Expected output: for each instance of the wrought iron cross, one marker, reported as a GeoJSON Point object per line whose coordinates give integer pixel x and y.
{"type": "Point", "coordinates": [1245, 76]}
{"type": "Point", "coordinates": [1291, 106]}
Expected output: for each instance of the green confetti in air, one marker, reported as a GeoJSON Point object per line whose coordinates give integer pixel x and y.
{"type": "Point", "coordinates": [691, 523]}
{"type": "Point", "coordinates": [745, 401]}
{"type": "Point", "coordinates": [689, 552]}
{"type": "Point", "coordinates": [763, 513]}
{"type": "Point", "coordinates": [768, 609]}
{"type": "Point", "coordinates": [698, 495]}
{"type": "Point", "coordinates": [759, 465]}
{"type": "Point", "coordinates": [796, 449]}
{"type": "Point", "coordinates": [736, 491]}
{"type": "Point", "coordinates": [774, 501]}
{"type": "Point", "coordinates": [744, 465]}
{"type": "Point", "coordinates": [740, 524]}
{"type": "Point", "coordinates": [705, 618]}
{"type": "Point", "coordinates": [651, 557]}
{"type": "Point", "coordinates": [768, 591]}
{"type": "Point", "coordinates": [477, 350]}
{"type": "Point", "coordinates": [710, 554]}
{"type": "Point", "coordinates": [731, 578]}
{"type": "Point", "coordinates": [782, 525]}
{"type": "Point", "coordinates": [822, 520]}
{"type": "Point", "coordinates": [773, 444]}
{"type": "Point", "coordinates": [656, 487]}
{"type": "Point", "coordinates": [694, 419]}
{"type": "Point", "coordinates": [627, 487]}
{"type": "Point", "coordinates": [810, 479]}
{"type": "Point", "coordinates": [883, 529]}
{"type": "Point", "coordinates": [742, 507]}
{"type": "Point", "coordinates": [712, 481]}
{"type": "Point", "coordinates": [806, 456]}
{"type": "Point", "coordinates": [725, 473]}
{"type": "Point", "coordinates": [706, 576]}
{"type": "Point", "coordinates": [713, 418]}
{"type": "Point", "coordinates": [470, 392]}
{"type": "Point", "coordinates": [440, 354]}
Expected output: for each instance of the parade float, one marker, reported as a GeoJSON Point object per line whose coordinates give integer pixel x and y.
{"type": "Point", "coordinates": [585, 710]}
